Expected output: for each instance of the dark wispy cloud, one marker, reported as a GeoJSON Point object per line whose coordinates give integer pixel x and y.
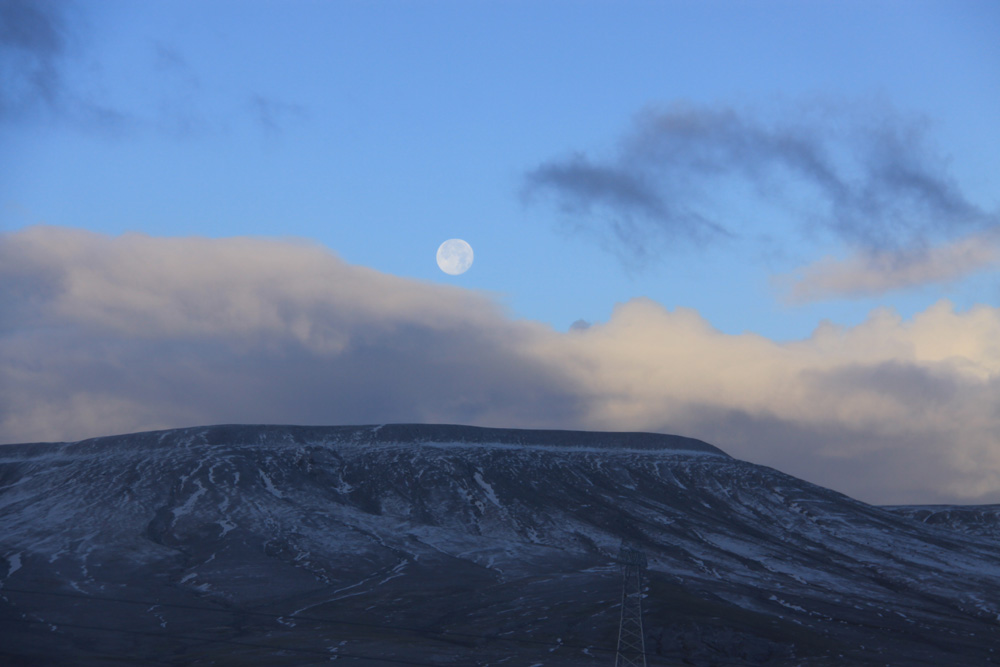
{"type": "Point", "coordinates": [178, 104]}
{"type": "Point", "coordinates": [103, 335]}
{"type": "Point", "coordinates": [37, 40]}
{"type": "Point", "coordinates": [632, 203]}
{"type": "Point", "coordinates": [867, 176]}
{"type": "Point", "coordinates": [32, 46]}
{"type": "Point", "coordinates": [273, 115]}
{"type": "Point", "coordinates": [45, 48]}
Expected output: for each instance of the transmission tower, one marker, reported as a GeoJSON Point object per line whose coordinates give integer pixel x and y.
{"type": "Point", "coordinates": [631, 651]}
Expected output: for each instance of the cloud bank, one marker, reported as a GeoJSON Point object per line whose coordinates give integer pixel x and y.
{"type": "Point", "coordinates": [868, 179]}
{"type": "Point", "coordinates": [102, 334]}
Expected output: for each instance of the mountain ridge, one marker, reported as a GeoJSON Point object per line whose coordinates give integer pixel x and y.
{"type": "Point", "coordinates": [239, 544]}
{"type": "Point", "coordinates": [423, 433]}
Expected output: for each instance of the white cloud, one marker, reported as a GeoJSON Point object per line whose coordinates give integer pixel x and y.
{"type": "Point", "coordinates": [911, 405]}
{"type": "Point", "coordinates": [101, 335]}
{"type": "Point", "coordinates": [868, 273]}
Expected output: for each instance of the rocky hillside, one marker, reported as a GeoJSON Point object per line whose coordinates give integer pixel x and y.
{"type": "Point", "coordinates": [453, 545]}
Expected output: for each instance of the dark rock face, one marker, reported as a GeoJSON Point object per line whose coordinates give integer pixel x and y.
{"type": "Point", "coordinates": [453, 545]}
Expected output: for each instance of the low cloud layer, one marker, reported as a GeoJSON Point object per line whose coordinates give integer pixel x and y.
{"type": "Point", "coordinates": [870, 179]}
{"type": "Point", "coordinates": [108, 334]}
{"type": "Point", "coordinates": [102, 335]}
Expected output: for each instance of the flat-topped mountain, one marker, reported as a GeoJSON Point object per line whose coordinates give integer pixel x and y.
{"type": "Point", "coordinates": [455, 545]}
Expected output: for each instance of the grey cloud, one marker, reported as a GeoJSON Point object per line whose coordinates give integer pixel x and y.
{"type": "Point", "coordinates": [911, 387]}
{"type": "Point", "coordinates": [893, 468]}
{"type": "Point", "coordinates": [273, 115]}
{"type": "Point", "coordinates": [179, 96]}
{"type": "Point", "coordinates": [118, 334]}
{"type": "Point", "coordinates": [43, 43]}
{"type": "Point", "coordinates": [627, 202]}
{"type": "Point", "coordinates": [168, 60]}
{"type": "Point", "coordinates": [37, 38]}
{"type": "Point", "coordinates": [905, 195]}
{"type": "Point", "coordinates": [871, 177]}
{"type": "Point", "coordinates": [106, 334]}
{"type": "Point", "coordinates": [587, 186]}
{"type": "Point", "coordinates": [32, 45]}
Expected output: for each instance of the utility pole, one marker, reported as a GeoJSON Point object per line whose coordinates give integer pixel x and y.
{"type": "Point", "coordinates": [631, 650]}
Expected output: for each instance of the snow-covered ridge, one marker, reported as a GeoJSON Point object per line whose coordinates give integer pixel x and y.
{"type": "Point", "coordinates": [376, 436]}
{"type": "Point", "coordinates": [196, 536]}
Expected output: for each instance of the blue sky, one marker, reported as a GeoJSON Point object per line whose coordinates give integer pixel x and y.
{"type": "Point", "coordinates": [773, 167]}
{"type": "Point", "coordinates": [381, 129]}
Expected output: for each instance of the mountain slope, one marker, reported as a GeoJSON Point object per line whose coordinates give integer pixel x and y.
{"type": "Point", "coordinates": [452, 545]}
{"type": "Point", "coordinates": [981, 520]}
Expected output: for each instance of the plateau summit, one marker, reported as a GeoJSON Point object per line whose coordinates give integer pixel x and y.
{"type": "Point", "coordinates": [455, 545]}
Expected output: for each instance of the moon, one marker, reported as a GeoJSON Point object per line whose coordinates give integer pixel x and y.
{"type": "Point", "coordinates": [454, 256]}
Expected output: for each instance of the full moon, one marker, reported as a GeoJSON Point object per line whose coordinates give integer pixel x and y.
{"type": "Point", "coordinates": [454, 256]}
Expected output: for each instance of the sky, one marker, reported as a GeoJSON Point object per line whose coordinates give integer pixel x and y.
{"type": "Point", "coordinates": [774, 226]}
